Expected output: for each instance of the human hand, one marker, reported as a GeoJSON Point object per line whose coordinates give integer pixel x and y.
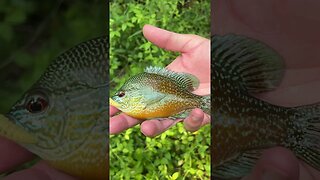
{"type": "Point", "coordinates": [194, 59]}
{"type": "Point", "coordinates": [291, 28]}
{"type": "Point", "coordinates": [281, 164]}
{"type": "Point", "coordinates": [13, 155]}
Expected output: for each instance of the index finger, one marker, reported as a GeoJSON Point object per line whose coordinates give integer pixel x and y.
{"type": "Point", "coordinates": [152, 128]}
{"type": "Point", "coordinates": [12, 155]}
{"type": "Point", "coordinates": [38, 172]}
{"type": "Point", "coordinates": [276, 162]}
{"type": "Point", "coordinates": [121, 122]}
{"type": "Point", "coordinates": [112, 110]}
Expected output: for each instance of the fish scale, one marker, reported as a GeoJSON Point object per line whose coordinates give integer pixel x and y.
{"type": "Point", "coordinates": [71, 132]}
{"type": "Point", "coordinates": [243, 126]}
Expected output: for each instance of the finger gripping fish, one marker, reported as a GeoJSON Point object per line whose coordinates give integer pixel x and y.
{"type": "Point", "coordinates": [63, 117]}
{"type": "Point", "coordinates": [243, 125]}
{"type": "Point", "coordinates": [159, 93]}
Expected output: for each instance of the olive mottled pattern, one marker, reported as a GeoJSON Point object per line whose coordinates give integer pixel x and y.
{"type": "Point", "coordinates": [66, 112]}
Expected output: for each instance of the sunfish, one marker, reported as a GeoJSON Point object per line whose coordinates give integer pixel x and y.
{"type": "Point", "coordinates": [243, 125]}
{"type": "Point", "coordinates": [159, 93]}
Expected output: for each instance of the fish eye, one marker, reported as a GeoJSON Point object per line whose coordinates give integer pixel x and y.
{"type": "Point", "coordinates": [121, 94]}
{"type": "Point", "coordinates": [36, 104]}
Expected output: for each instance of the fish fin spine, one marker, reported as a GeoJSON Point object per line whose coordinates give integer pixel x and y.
{"type": "Point", "coordinates": [186, 81]}
{"type": "Point", "coordinates": [250, 64]}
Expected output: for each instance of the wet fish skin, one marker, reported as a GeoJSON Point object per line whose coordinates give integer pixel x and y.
{"type": "Point", "coordinates": [243, 125]}
{"type": "Point", "coordinates": [159, 93]}
{"type": "Point", "coordinates": [71, 130]}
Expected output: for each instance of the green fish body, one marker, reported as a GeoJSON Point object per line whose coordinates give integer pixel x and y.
{"type": "Point", "coordinates": [159, 93]}
{"type": "Point", "coordinates": [63, 117]}
{"type": "Point", "coordinates": [243, 125]}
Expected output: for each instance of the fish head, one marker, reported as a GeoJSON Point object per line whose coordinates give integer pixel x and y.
{"type": "Point", "coordinates": [130, 98]}
{"type": "Point", "coordinates": [138, 94]}
{"type": "Point", "coordinates": [65, 111]}
{"type": "Point", "coordinates": [59, 122]}
{"type": "Point", "coordinates": [29, 115]}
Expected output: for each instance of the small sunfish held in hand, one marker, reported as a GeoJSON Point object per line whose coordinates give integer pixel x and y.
{"type": "Point", "coordinates": [243, 126]}
{"type": "Point", "coordinates": [159, 93]}
{"type": "Point", "coordinates": [63, 117]}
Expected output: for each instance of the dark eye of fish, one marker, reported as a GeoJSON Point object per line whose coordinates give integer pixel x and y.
{"type": "Point", "coordinates": [37, 104]}
{"type": "Point", "coordinates": [121, 94]}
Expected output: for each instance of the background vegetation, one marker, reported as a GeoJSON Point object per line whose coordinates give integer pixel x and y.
{"type": "Point", "coordinates": [33, 33]}
{"type": "Point", "coordinates": [176, 154]}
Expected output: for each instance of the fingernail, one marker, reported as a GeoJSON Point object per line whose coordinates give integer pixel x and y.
{"type": "Point", "coordinates": [272, 175]}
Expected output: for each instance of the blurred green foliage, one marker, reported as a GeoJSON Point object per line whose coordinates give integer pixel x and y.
{"type": "Point", "coordinates": [176, 154]}
{"type": "Point", "coordinates": [33, 33]}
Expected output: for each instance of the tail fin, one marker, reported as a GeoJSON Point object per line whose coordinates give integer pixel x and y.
{"type": "Point", "coordinates": [206, 104]}
{"type": "Point", "coordinates": [304, 140]}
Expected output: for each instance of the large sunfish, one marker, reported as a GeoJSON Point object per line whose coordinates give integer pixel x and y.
{"type": "Point", "coordinates": [243, 125]}
{"type": "Point", "coordinates": [159, 93]}
{"type": "Point", "coordinates": [63, 117]}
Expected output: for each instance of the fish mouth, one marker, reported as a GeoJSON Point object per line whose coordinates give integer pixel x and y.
{"type": "Point", "coordinates": [113, 103]}
{"type": "Point", "coordinates": [14, 132]}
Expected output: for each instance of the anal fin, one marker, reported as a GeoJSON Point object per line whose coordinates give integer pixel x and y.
{"type": "Point", "coordinates": [237, 167]}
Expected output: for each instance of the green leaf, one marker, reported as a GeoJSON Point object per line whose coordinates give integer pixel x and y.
{"type": "Point", "coordinates": [175, 176]}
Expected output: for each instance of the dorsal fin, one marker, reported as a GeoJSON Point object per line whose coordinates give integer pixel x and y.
{"type": "Point", "coordinates": [247, 62]}
{"type": "Point", "coordinates": [186, 81]}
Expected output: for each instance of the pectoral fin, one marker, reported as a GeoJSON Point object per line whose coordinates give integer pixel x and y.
{"type": "Point", "coordinates": [153, 97]}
